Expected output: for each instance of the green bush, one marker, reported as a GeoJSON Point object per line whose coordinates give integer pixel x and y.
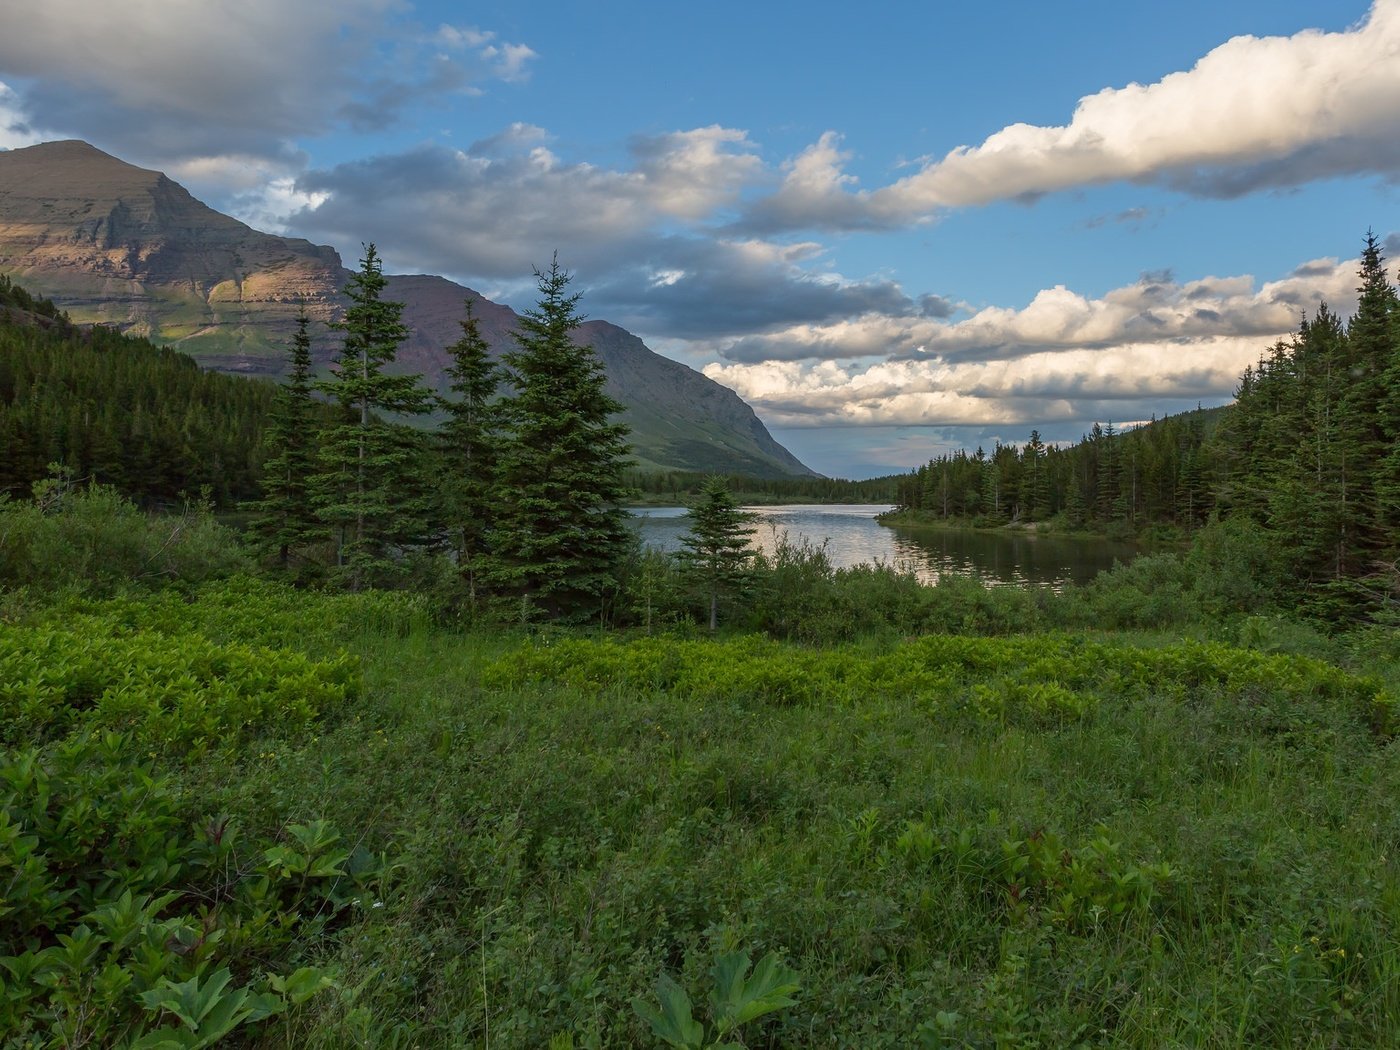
{"type": "Point", "coordinates": [1034, 679]}
{"type": "Point", "coordinates": [262, 612]}
{"type": "Point", "coordinates": [178, 694]}
{"type": "Point", "coordinates": [94, 541]}
{"type": "Point", "coordinates": [124, 924]}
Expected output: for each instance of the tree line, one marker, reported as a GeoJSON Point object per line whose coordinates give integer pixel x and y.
{"type": "Point", "coordinates": [683, 485]}
{"type": "Point", "coordinates": [522, 484]}
{"type": "Point", "coordinates": [1120, 482]}
{"type": "Point", "coordinates": [122, 412]}
{"type": "Point", "coordinates": [1309, 452]}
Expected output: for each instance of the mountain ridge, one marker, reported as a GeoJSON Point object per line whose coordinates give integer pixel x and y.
{"type": "Point", "coordinates": [113, 243]}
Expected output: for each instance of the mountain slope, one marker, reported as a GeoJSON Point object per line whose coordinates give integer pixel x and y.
{"type": "Point", "coordinates": [113, 243]}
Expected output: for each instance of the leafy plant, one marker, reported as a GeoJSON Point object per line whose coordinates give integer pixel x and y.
{"type": "Point", "coordinates": [185, 693]}
{"type": "Point", "coordinates": [123, 925]}
{"type": "Point", "coordinates": [736, 998]}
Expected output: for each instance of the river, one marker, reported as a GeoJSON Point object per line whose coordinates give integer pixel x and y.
{"type": "Point", "coordinates": [852, 536]}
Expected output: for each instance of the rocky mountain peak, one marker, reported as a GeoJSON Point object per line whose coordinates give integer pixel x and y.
{"type": "Point", "coordinates": [114, 243]}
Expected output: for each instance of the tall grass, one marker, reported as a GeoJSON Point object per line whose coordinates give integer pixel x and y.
{"type": "Point", "coordinates": [1197, 853]}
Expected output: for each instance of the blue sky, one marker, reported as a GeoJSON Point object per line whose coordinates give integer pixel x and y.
{"type": "Point", "coordinates": [895, 229]}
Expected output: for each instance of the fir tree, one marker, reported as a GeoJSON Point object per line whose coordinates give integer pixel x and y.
{"type": "Point", "coordinates": [1370, 342]}
{"type": "Point", "coordinates": [468, 441]}
{"type": "Point", "coordinates": [369, 489]}
{"type": "Point", "coordinates": [1035, 491]}
{"type": "Point", "coordinates": [285, 521]}
{"type": "Point", "coordinates": [560, 535]}
{"type": "Point", "coordinates": [716, 550]}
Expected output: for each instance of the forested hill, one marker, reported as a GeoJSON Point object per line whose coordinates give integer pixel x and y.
{"type": "Point", "coordinates": [1118, 481]}
{"type": "Point", "coordinates": [121, 245]}
{"type": "Point", "coordinates": [1309, 454]}
{"type": "Point", "coordinates": [120, 411]}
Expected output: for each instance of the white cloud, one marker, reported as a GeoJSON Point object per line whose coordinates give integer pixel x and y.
{"type": "Point", "coordinates": [1151, 346]}
{"type": "Point", "coordinates": [1255, 112]}
{"type": "Point", "coordinates": [689, 174]}
{"type": "Point", "coordinates": [166, 80]}
{"type": "Point", "coordinates": [505, 61]}
{"type": "Point", "coordinates": [1036, 388]}
{"type": "Point", "coordinates": [1155, 310]}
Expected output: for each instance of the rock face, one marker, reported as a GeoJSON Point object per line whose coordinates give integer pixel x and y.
{"type": "Point", "coordinates": [117, 244]}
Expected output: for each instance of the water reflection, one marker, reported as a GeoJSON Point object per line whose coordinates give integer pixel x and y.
{"type": "Point", "coordinates": [853, 537]}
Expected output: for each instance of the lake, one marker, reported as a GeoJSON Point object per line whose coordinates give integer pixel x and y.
{"type": "Point", "coordinates": [852, 536]}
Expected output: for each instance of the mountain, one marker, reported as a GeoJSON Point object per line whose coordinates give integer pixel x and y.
{"type": "Point", "coordinates": [113, 243]}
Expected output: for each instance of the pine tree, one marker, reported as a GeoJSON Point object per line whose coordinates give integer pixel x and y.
{"type": "Point", "coordinates": [369, 487]}
{"type": "Point", "coordinates": [717, 545]}
{"type": "Point", "coordinates": [561, 534]}
{"type": "Point", "coordinates": [285, 521]}
{"type": "Point", "coordinates": [1035, 491]}
{"type": "Point", "coordinates": [468, 441]}
{"type": "Point", "coordinates": [1371, 349]}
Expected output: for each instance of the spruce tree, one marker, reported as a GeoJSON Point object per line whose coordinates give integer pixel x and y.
{"type": "Point", "coordinates": [468, 441]}
{"type": "Point", "coordinates": [716, 550]}
{"type": "Point", "coordinates": [1370, 344]}
{"type": "Point", "coordinates": [1035, 491]}
{"type": "Point", "coordinates": [560, 534]}
{"type": "Point", "coordinates": [369, 489]}
{"type": "Point", "coordinates": [285, 522]}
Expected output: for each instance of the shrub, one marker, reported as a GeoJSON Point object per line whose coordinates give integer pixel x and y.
{"type": "Point", "coordinates": [122, 924]}
{"type": "Point", "coordinates": [94, 541]}
{"type": "Point", "coordinates": [181, 694]}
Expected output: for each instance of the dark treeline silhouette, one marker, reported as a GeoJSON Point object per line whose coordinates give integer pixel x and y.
{"type": "Point", "coordinates": [121, 411]}
{"type": "Point", "coordinates": [685, 486]}
{"type": "Point", "coordinates": [1116, 482]}
{"type": "Point", "coordinates": [1309, 452]}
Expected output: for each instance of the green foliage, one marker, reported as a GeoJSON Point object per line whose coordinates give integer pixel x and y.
{"type": "Point", "coordinates": [468, 441]}
{"type": "Point", "coordinates": [560, 536]}
{"type": "Point", "coordinates": [122, 412]}
{"type": "Point", "coordinates": [736, 998]}
{"type": "Point", "coordinates": [1037, 680]}
{"type": "Point", "coordinates": [716, 547]}
{"type": "Point", "coordinates": [286, 525]}
{"type": "Point", "coordinates": [180, 695]}
{"type": "Point", "coordinates": [370, 490]}
{"type": "Point", "coordinates": [1309, 453]}
{"type": "Point", "coordinates": [95, 541]}
{"type": "Point", "coordinates": [124, 924]}
{"type": "Point", "coordinates": [1113, 482]}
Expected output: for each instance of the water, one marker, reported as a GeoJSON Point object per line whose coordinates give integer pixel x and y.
{"type": "Point", "coordinates": [852, 536]}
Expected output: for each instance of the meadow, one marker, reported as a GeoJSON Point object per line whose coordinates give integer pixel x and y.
{"type": "Point", "coordinates": [876, 814]}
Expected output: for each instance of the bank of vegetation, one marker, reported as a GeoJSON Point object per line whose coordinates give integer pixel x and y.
{"type": "Point", "coordinates": [1310, 452]}
{"type": "Point", "coordinates": [465, 790]}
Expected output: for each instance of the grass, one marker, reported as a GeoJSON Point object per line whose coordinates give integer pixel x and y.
{"type": "Point", "coordinates": [1107, 838]}
{"type": "Point", "coordinates": [1184, 861]}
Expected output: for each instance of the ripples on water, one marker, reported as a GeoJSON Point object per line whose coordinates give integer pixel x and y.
{"type": "Point", "coordinates": [852, 536]}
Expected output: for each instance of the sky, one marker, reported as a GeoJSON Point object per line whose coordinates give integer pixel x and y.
{"type": "Point", "coordinates": [895, 229]}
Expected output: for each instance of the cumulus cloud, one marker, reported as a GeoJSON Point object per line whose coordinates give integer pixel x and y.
{"type": "Point", "coordinates": [1156, 345]}
{"type": "Point", "coordinates": [1154, 310]}
{"type": "Point", "coordinates": [1125, 380]}
{"type": "Point", "coordinates": [1254, 113]}
{"type": "Point", "coordinates": [494, 210]}
{"type": "Point", "coordinates": [170, 80]}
